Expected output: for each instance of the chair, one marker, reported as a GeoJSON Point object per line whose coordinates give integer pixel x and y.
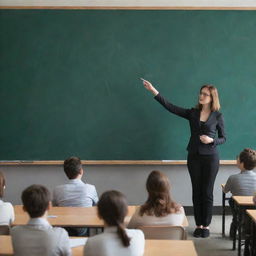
{"type": "Point", "coordinates": [164, 232]}
{"type": "Point", "coordinates": [4, 230]}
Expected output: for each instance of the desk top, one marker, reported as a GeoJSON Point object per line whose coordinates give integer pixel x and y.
{"type": "Point", "coordinates": [252, 214]}
{"type": "Point", "coordinates": [243, 200]}
{"type": "Point", "coordinates": [152, 247]}
{"type": "Point", "coordinates": [68, 216]}
{"type": "Point", "coordinates": [72, 216]}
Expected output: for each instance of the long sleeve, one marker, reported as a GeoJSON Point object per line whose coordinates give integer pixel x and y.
{"type": "Point", "coordinates": [12, 214]}
{"type": "Point", "coordinates": [95, 197]}
{"type": "Point", "coordinates": [64, 245]}
{"type": "Point", "coordinates": [221, 132]}
{"type": "Point", "coordinates": [182, 112]}
{"type": "Point", "coordinates": [227, 187]}
{"type": "Point", "coordinates": [54, 201]}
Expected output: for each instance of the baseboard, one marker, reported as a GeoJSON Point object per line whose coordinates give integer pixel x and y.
{"type": "Point", "coordinates": [217, 210]}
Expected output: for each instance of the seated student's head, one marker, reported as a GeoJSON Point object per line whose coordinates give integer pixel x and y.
{"type": "Point", "coordinates": [36, 200]}
{"type": "Point", "coordinates": [112, 208]}
{"type": "Point", "coordinates": [247, 159]}
{"type": "Point", "coordinates": [73, 167]}
{"type": "Point", "coordinates": [2, 185]}
{"type": "Point", "coordinates": [159, 202]}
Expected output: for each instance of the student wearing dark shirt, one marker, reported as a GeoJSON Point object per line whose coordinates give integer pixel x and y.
{"type": "Point", "coordinates": [205, 122]}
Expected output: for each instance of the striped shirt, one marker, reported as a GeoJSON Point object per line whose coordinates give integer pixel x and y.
{"type": "Point", "coordinates": [241, 184]}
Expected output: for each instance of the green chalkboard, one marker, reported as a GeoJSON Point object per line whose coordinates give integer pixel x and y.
{"type": "Point", "coordinates": [70, 81]}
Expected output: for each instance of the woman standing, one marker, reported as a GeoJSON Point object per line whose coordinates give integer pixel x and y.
{"type": "Point", "coordinates": [203, 160]}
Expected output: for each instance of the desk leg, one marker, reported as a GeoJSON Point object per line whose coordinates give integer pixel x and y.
{"type": "Point", "coordinates": [253, 238]}
{"type": "Point", "coordinates": [239, 224]}
{"type": "Point", "coordinates": [235, 224]}
{"type": "Point", "coordinates": [223, 213]}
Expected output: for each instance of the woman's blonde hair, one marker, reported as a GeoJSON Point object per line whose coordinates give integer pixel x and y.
{"type": "Point", "coordinates": [215, 104]}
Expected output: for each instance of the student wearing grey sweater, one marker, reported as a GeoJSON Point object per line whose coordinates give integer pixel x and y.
{"type": "Point", "coordinates": [243, 183]}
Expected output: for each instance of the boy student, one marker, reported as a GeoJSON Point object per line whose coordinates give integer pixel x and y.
{"type": "Point", "coordinates": [38, 237]}
{"type": "Point", "coordinates": [243, 183]}
{"type": "Point", "coordinates": [75, 192]}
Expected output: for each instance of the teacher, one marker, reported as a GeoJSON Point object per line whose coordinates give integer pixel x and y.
{"type": "Point", "coordinates": [205, 121]}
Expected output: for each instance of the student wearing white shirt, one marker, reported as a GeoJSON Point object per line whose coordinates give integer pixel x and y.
{"type": "Point", "coordinates": [6, 209]}
{"type": "Point", "coordinates": [159, 209]}
{"type": "Point", "coordinates": [115, 240]}
{"type": "Point", "coordinates": [75, 192]}
{"type": "Point", "coordinates": [38, 237]}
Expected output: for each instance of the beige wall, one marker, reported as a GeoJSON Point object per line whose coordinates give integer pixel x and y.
{"type": "Point", "coordinates": [128, 179]}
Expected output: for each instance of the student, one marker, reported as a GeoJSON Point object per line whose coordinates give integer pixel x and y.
{"type": "Point", "coordinates": [159, 209]}
{"type": "Point", "coordinates": [115, 240]}
{"type": "Point", "coordinates": [6, 209]}
{"type": "Point", "coordinates": [38, 237]}
{"type": "Point", "coordinates": [243, 183]}
{"type": "Point", "coordinates": [75, 192]}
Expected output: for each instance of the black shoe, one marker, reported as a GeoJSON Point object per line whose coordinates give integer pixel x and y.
{"type": "Point", "coordinates": [197, 232]}
{"type": "Point", "coordinates": [205, 233]}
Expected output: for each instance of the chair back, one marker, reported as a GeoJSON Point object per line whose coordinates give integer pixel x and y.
{"type": "Point", "coordinates": [164, 232]}
{"type": "Point", "coordinates": [4, 230]}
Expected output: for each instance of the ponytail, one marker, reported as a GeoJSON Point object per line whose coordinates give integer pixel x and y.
{"type": "Point", "coordinates": [112, 208]}
{"type": "Point", "coordinates": [123, 235]}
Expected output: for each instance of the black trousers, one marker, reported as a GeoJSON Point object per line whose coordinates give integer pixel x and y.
{"type": "Point", "coordinates": [203, 170]}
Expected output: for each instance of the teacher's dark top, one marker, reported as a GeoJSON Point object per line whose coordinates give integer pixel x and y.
{"type": "Point", "coordinates": [214, 124]}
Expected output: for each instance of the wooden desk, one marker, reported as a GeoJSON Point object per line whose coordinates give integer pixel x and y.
{"type": "Point", "coordinates": [152, 248]}
{"type": "Point", "coordinates": [69, 216]}
{"type": "Point", "coordinates": [73, 216]}
{"type": "Point", "coordinates": [6, 245]}
{"type": "Point", "coordinates": [241, 204]}
{"type": "Point", "coordinates": [252, 214]}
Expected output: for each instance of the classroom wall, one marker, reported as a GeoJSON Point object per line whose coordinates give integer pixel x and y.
{"type": "Point", "coordinates": [128, 179]}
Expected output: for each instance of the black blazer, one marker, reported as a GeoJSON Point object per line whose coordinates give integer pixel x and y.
{"type": "Point", "coordinates": [215, 123]}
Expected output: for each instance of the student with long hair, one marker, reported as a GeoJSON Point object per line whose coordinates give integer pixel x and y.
{"type": "Point", "coordinates": [6, 208]}
{"type": "Point", "coordinates": [207, 131]}
{"type": "Point", "coordinates": [159, 209]}
{"type": "Point", "coordinates": [115, 240]}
